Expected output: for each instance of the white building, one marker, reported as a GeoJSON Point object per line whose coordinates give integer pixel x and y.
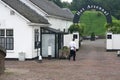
{"type": "Point", "coordinates": [25, 23]}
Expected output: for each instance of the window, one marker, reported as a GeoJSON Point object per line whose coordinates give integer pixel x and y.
{"type": "Point", "coordinates": [109, 36]}
{"type": "Point", "coordinates": [2, 41]}
{"type": "Point", "coordinates": [6, 38]}
{"type": "Point", "coordinates": [2, 32]}
{"type": "Point", "coordinates": [75, 36]}
{"type": "Point", "coordinates": [9, 32]}
{"type": "Point", "coordinates": [36, 32]}
{"type": "Point", "coordinates": [9, 43]}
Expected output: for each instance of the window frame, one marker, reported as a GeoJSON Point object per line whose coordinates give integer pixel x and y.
{"type": "Point", "coordinates": [36, 38]}
{"type": "Point", "coordinates": [8, 39]}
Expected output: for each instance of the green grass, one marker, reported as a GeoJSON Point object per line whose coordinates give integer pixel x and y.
{"type": "Point", "coordinates": [94, 21]}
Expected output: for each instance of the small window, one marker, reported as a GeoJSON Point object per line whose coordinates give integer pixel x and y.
{"type": "Point", "coordinates": [2, 32]}
{"type": "Point", "coordinates": [109, 36]}
{"type": "Point", "coordinates": [9, 32]}
{"type": "Point", "coordinates": [75, 36]}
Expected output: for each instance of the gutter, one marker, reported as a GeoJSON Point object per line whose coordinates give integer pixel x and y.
{"type": "Point", "coordinates": [38, 24]}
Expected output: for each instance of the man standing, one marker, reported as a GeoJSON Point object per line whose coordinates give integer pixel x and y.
{"type": "Point", "coordinates": [72, 46]}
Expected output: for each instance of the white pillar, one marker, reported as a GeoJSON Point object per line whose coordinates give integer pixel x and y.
{"type": "Point", "coordinates": [40, 57]}
{"type": "Point", "coordinates": [49, 52]}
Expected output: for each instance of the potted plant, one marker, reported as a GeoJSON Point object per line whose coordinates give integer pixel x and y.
{"type": "Point", "coordinates": [64, 52]}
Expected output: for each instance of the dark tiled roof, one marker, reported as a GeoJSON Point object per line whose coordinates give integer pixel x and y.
{"type": "Point", "coordinates": [26, 11]}
{"type": "Point", "coordinates": [52, 9]}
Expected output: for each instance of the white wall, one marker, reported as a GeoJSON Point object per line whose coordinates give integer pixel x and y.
{"type": "Point", "coordinates": [59, 23]}
{"type": "Point", "coordinates": [22, 32]}
{"type": "Point", "coordinates": [116, 41]}
{"type": "Point", "coordinates": [69, 37]}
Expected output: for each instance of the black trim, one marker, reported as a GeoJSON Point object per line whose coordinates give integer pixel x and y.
{"type": "Point", "coordinates": [41, 41]}
{"type": "Point", "coordinates": [55, 46]}
{"type": "Point", "coordinates": [58, 38]}
{"type": "Point", "coordinates": [112, 50]}
{"type": "Point", "coordinates": [48, 30]}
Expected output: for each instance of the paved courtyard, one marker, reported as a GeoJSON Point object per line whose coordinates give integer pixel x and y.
{"type": "Point", "coordinates": [93, 62]}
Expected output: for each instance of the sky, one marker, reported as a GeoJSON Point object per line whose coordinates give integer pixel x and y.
{"type": "Point", "coordinates": [67, 0]}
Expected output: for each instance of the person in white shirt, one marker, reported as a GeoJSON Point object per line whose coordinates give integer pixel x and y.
{"type": "Point", "coordinates": [72, 46]}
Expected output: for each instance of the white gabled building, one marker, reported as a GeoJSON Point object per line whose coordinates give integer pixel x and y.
{"type": "Point", "coordinates": [24, 23]}
{"type": "Point", "coordinates": [60, 18]}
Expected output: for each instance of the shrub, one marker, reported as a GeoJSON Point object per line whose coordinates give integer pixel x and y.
{"type": "Point", "coordinates": [64, 52]}
{"type": "Point", "coordinates": [77, 28]}
{"type": "Point", "coordinates": [113, 27]}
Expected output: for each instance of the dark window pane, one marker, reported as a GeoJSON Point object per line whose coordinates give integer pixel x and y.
{"type": "Point", "coordinates": [75, 36]}
{"type": "Point", "coordinates": [2, 32]}
{"type": "Point", "coordinates": [9, 32]}
{"type": "Point", "coordinates": [109, 36]}
{"type": "Point", "coordinates": [9, 43]}
{"type": "Point", "coordinates": [2, 42]}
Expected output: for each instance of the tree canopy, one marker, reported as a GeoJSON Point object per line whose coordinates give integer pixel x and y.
{"type": "Point", "coordinates": [113, 27]}
{"type": "Point", "coordinates": [111, 5]}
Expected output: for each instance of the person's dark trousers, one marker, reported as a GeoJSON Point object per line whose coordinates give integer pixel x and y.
{"type": "Point", "coordinates": [72, 54]}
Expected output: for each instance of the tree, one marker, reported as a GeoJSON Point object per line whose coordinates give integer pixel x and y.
{"type": "Point", "coordinates": [111, 5]}
{"type": "Point", "coordinates": [75, 4]}
{"type": "Point", "coordinates": [77, 28]}
{"type": "Point", "coordinates": [113, 27]}
{"type": "Point", "coordinates": [66, 5]}
{"type": "Point", "coordinates": [57, 2]}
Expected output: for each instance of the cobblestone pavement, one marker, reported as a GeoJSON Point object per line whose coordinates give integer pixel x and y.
{"type": "Point", "coordinates": [93, 63]}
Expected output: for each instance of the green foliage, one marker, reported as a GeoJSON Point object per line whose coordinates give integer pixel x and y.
{"type": "Point", "coordinates": [76, 4]}
{"type": "Point", "coordinates": [112, 5]}
{"type": "Point", "coordinates": [64, 52]}
{"type": "Point", "coordinates": [77, 28]}
{"type": "Point", "coordinates": [66, 5]}
{"type": "Point", "coordinates": [113, 27]}
{"type": "Point", "coordinates": [65, 48]}
{"type": "Point", "coordinates": [94, 22]}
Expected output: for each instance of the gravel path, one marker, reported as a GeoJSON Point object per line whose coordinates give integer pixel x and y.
{"type": "Point", "coordinates": [93, 62]}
